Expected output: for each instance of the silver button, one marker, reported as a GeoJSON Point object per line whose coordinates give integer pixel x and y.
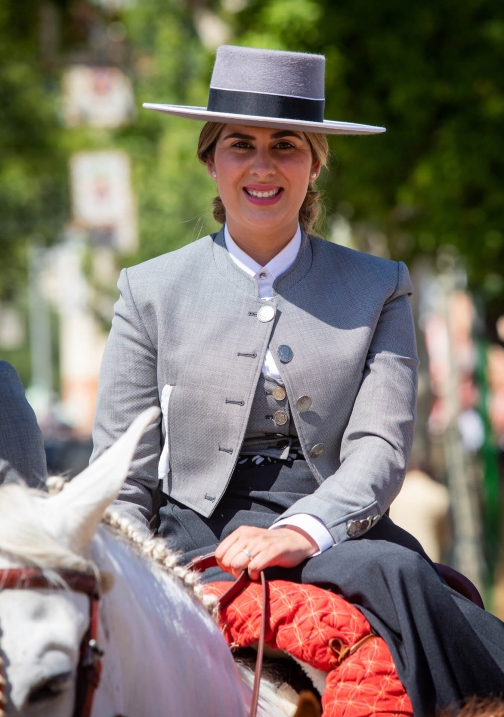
{"type": "Point", "coordinates": [280, 417]}
{"type": "Point", "coordinates": [316, 450]}
{"type": "Point", "coordinates": [353, 528]}
{"type": "Point", "coordinates": [279, 393]}
{"type": "Point", "coordinates": [266, 313]}
{"type": "Point", "coordinates": [285, 353]}
{"type": "Point", "coordinates": [262, 275]}
{"type": "Point", "coordinates": [303, 404]}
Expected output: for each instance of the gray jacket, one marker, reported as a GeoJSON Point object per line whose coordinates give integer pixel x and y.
{"type": "Point", "coordinates": [187, 335]}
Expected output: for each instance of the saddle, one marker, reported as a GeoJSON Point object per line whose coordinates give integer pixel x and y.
{"type": "Point", "coordinates": [319, 629]}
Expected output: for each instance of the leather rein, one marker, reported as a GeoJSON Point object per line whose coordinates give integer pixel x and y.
{"type": "Point", "coordinates": [89, 667]}
{"type": "Point", "coordinates": [208, 561]}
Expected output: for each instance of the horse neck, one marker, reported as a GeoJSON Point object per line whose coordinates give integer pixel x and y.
{"type": "Point", "coordinates": [161, 647]}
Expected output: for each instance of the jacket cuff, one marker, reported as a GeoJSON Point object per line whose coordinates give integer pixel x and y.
{"type": "Point", "coordinates": [311, 525]}
{"type": "Point", "coordinates": [341, 527]}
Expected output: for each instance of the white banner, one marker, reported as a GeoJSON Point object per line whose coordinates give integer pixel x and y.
{"type": "Point", "coordinates": [103, 199]}
{"type": "Point", "coordinates": [96, 96]}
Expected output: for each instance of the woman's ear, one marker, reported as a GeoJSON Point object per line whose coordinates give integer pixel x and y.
{"type": "Point", "coordinates": [210, 165]}
{"type": "Point", "coordinates": [316, 166]}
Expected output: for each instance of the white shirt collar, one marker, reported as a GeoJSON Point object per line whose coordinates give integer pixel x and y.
{"type": "Point", "coordinates": [276, 266]}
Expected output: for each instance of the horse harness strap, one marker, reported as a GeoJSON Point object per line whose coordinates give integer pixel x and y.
{"type": "Point", "coordinates": [209, 561]}
{"type": "Point", "coordinates": [89, 667]}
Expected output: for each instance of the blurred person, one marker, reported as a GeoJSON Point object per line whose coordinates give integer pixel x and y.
{"type": "Point", "coordinates": [285, 368]}
{"type": "Point", "coordinates": [422, 509]}
{"type": "Point", "coordinates": [21, 445]}
{"type": "Point", "coordinates": [67, 454]}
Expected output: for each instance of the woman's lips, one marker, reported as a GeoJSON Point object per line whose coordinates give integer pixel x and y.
{"type": "Point", "coordinates": [263, 196]}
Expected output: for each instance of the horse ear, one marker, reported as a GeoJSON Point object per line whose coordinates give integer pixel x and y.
{"type": "Point", "coordinates": [74, 514]}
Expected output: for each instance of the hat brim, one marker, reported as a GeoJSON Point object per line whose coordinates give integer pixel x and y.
{"type": "Point", "coordinates": [325, 127]}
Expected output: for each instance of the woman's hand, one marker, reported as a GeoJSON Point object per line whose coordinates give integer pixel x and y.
{"type": "Point", "coordinates": [285, 547]}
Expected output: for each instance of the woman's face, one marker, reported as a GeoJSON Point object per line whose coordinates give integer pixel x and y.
{"type": "Point", "coordinates": [262, 177]}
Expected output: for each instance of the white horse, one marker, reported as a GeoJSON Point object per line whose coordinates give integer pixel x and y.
{"type": "Point", "coordinates": [164, 655]}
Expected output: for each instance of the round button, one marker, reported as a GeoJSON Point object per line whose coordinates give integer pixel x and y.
{"type": "Point", "coordinates": [303, 404]}
{"type": "Point", "coordinates": [285, 353]}
{"type": "Point", "coordinates": [353, 528]}
{"type": "Point", "coordinates": [279, 393]}
{"type": "Point", "coordinates": [316, 450]}
{"type": "Point", "coordinates": [280, 417]}
{"type": "Point", "coordinates": [266, 313]}
{"type": "Point", "coordinates": [262, 275]}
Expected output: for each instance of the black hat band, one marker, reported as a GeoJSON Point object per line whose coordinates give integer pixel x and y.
{"type": "Point", "coordinates": [262, 105]}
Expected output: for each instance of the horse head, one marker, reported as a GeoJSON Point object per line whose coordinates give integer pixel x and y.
{"type": "Point", "coordinates": [41, 629]}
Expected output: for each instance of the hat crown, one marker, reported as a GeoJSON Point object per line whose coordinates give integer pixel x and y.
{"type": "Point", "coordinates": [276, 72]}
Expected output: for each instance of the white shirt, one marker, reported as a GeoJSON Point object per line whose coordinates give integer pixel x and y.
{"type": "Point", "coordinates": [265, 276]}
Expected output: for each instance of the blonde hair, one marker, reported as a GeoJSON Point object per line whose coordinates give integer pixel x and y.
{"type": "Point", "coordinates": [311, 207]}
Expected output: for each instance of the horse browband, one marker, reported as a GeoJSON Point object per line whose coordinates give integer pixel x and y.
{"type": "Point", "coordinates": [90, 664]}
{"type": "Point", "coordinates": [89, 667]}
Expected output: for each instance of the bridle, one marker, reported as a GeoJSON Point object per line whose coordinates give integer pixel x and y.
{"type": "Point", "coordinates": [89, 667]}
{"type": "Point", "coordinates": [90, 664]}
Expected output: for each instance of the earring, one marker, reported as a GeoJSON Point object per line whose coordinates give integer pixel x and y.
{"type": "Point", "coordinates": [214, 174]}
{"type": "Point", "coordinates": [313, 175]}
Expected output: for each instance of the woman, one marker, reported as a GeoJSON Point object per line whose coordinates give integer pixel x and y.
{"type": "Point", "coordinates": [285, 367]}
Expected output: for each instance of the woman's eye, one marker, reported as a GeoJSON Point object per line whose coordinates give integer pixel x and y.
{"type": "Point", "coordinates": [241, 145]}
{"type": "Point", "coordinates": [284, 145]}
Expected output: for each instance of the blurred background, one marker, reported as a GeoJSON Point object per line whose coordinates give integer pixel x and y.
{"type": "Point", "coordinates": [90, 182]}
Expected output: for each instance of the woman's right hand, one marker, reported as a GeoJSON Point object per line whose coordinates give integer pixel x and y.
{"type": "Point", "coordinates": [285, 547]}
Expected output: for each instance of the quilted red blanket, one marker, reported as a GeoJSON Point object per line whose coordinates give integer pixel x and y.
{"type": "Point", "coordinates": [321, 629]}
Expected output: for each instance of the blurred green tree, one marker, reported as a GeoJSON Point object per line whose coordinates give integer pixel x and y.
{"type": "Point", "coordinates": [33, 171]}
{"type": "Point", "coordinates": [170, 64]}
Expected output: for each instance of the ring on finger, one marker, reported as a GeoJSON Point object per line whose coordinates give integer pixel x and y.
{"type": "Point", "coordinates": [249, 556]}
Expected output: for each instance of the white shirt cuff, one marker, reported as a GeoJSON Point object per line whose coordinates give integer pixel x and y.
{"type": "Point", "coordinates": [311, 525]}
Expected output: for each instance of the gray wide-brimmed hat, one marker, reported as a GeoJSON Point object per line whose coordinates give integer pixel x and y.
{"type": "Point", "coordinates": [267, 88]}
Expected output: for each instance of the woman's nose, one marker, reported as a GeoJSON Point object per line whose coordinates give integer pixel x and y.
{"type": "Point", "coordinates": [263, 164]}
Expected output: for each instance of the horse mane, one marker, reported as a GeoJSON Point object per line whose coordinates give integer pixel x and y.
{"type": "Point", "coordinates": [156, 551]}
{"type": "Point", "coordinates": [24, 537]}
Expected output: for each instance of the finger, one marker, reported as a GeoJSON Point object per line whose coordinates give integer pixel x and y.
{"type": "Point", "coordinates": [236, 559]}
{"type": "Point", "coordinates": [266, 558]}
{"type": "Point", "coordinates": [226, 544]}
{"type": "Point", "coordinates": [243, 535]}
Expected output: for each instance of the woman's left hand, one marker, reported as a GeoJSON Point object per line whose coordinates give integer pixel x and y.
{"type": "Point", "coordinates": [285, 547]}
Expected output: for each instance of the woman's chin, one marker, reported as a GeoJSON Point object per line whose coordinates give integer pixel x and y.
{"type": "Point", "coordinates": [265, 219]}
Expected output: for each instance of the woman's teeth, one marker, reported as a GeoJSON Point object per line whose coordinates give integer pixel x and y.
{"type": "Point", "coordinates": [262, 195]}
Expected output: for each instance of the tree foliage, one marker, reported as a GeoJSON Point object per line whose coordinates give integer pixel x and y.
{"type": "Point", "coordinates": [430, 72]}
{"type": "Point", "coordinates": [33, 182]}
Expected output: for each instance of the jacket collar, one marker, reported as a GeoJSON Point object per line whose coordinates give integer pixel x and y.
{"type": "Point", "coordinates": [228, 268]}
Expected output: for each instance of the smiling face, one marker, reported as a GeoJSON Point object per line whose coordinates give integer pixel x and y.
{"type": "Point", "coordinates": [262, 178]}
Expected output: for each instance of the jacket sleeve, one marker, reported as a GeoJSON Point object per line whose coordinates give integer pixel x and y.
{"type": "Point", "coordinates": [127, 386]}
{"type": "Point", "coordinates": [377, 441]}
